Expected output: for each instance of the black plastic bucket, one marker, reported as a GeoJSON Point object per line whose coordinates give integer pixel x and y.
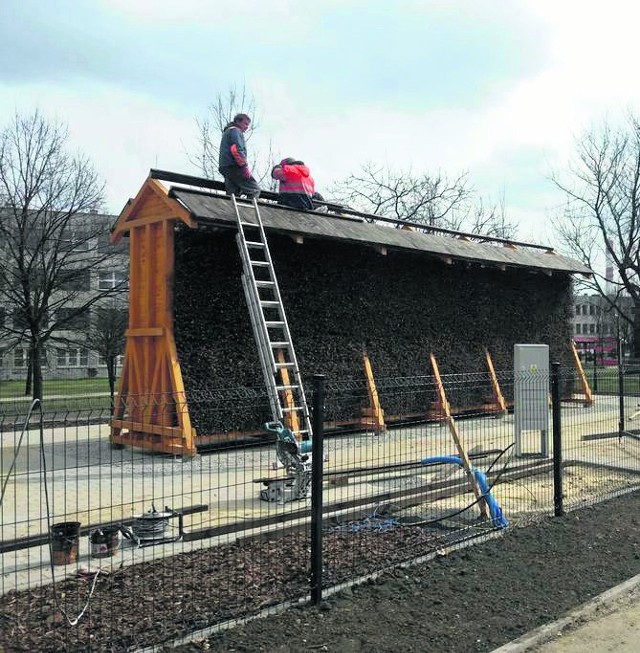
{"type": "Point", "coordinates": [64, 542]}
{"type": "Point", "coordinates": [104, 542]}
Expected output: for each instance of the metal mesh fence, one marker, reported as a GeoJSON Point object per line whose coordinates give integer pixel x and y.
{"type": "Point", "coordinates": [111, 547]}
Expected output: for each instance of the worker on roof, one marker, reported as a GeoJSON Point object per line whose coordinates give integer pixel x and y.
{"type": "Point", "coordinates": [232, 163]}
{"type": "Point", "coordinates": [296, 184]}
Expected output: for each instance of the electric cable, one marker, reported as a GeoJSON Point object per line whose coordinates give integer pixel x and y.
{"type": "Point", "coordinates": [17, 450]}
{"type": "Point", "coordinates": [475, 501]}
{"type": "Point", "coordinates": [387, 526]}
{"type": "Point", "coordinates": [71, 621]}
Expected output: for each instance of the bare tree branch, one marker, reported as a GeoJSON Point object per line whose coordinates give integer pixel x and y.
{"type": "Point", "coordinates": [600, 224]}
{"type": "Point", "coordinates": [49, 232]}
{"type": "Point", "coordinates": [434, 200]}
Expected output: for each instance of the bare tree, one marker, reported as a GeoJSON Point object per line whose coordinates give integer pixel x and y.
{"type": "Point", "coordinates": [219, 114]}
{"type": "Point", "coordinates": [489, 220]}
{"type": "Point", "coordinates": [600, 224]}
{"type": "Point", "coordinates": [107, 337]}
{"type": "Point", "coordinates": [433, 200]}
{"type": "Point", "coordinates": [48, 234]}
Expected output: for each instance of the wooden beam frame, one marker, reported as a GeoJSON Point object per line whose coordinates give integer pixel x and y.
{"type": "Point", "coordinates": [151, 410]}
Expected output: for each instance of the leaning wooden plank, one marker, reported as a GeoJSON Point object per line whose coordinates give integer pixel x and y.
{"type": "Point", "coordinates": [586, 389]}
{"type": "Point", "coordinates": [498, 397]}
{"type": "Point", "coordinates": [453, 429]}
{"type": "Point", "coordinates": [375, 409]}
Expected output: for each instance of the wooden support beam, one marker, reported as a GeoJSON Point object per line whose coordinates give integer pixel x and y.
{"type": "Point", "coordinates": [453, 429]}
{"type": "Point", "coordinates": [170, 431]}
{"type": "Point", "coordinates": [588, 395]}
{"type": "Point", "coordinates": [375, 409]}
{"type": "Point", "coordinates": [498, 397]}
{"type": "Point", "coordinates": [145, 331]}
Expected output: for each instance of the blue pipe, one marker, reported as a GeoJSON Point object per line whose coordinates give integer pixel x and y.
{"type": "Point", "coordinates": [497, 518]}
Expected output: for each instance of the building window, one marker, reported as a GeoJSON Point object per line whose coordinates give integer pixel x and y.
{"type": "Point", "coordinates": [578, 328]}
{"type": "Point", "coordinates": [592, 309]}
{"type": "Point", "coordinates": [109, 279]}
{"type": "Point", "coordinates": [592, 328]}
{"type": "Point", "coordinates": [76, 280]}
{"type": "Point", "coordinates": [72, 357]}
{"type": "Point", "coordinates": [20, 321]}
{"type": "Point", "coordinates": [20, 357]}
{"type": "Point", "coordinates": [67, 320]}
{"type": "Point", "coordinates": [577, 309]}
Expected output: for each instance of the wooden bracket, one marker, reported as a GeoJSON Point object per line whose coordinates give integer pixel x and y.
{"type": "Point", "coordinates": [498, 397]}
{"type": "Point", "coordinates": [588, 395]}
{"type": "Point", "coordinates": [375, 411]}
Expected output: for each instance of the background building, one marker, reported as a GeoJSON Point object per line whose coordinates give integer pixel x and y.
{"type": "Point", "coordinates": [595, 328]}
{"type": "Point", "coordinates": [69, 354]}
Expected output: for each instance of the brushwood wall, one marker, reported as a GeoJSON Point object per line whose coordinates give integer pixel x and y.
{"type": "Point", "coordinates": [341, 298]}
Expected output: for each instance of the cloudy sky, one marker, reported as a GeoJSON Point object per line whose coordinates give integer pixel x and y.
{"type": "Point", "coordinates": [497, 88]}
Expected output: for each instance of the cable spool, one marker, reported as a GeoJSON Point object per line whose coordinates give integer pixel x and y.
{"type": "Point", "coordinates": [152, 525]}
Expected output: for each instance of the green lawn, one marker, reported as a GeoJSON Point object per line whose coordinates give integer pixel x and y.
{"type": "Point", "coordinates": [607, 380]}
{"type": "Point", "coordinates": [55, 387]}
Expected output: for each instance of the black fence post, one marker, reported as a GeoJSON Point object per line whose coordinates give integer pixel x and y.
{"type": "Point", "coordinates": [621, 424]}
{"type": "Point", "coordinates": [558, 507]}
{"type": "Point", "coordinates": [317, 451]}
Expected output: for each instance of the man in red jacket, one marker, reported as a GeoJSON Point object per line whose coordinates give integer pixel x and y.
{"type": "Point", "coordinates": [296, 184]}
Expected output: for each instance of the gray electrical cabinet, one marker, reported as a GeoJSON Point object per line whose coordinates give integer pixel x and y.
{"type": "Point", "coordinates": [531, 399]}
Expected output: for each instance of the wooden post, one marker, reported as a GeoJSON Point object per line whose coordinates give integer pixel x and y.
{"type": "Point", "coordinates": [453, 429]}
{"type": "Point", "coordinates": [375, 411]}
{"type": "Point", "coordinates": [498, 397]}
{"type": "Point", "coordinates": [588, 395]}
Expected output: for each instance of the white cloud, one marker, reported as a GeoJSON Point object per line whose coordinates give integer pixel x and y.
{"type": "Point", "coordinates": [508, 135]}
{"type": "Point", "coordinates": [124, 135]}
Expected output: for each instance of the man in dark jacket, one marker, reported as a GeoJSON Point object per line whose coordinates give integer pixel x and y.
{"type": "Point", "coordinates": [296, 184]}
{"type": "Point", "coordinates": [232, 163]}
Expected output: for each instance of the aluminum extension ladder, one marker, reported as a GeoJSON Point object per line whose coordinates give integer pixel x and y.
{"type": "Point", "coordinates": [269, 322]}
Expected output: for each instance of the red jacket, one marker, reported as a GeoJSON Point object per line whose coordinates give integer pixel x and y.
{"type": "Point", "coordinates": [296, 183]}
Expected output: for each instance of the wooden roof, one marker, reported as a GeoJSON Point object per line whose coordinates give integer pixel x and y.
{"type": "Point", "coordinates": [211, 209]}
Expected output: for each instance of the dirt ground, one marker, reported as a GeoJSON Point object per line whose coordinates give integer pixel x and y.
{"type": "Point", "coordinates": [475, 599]}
